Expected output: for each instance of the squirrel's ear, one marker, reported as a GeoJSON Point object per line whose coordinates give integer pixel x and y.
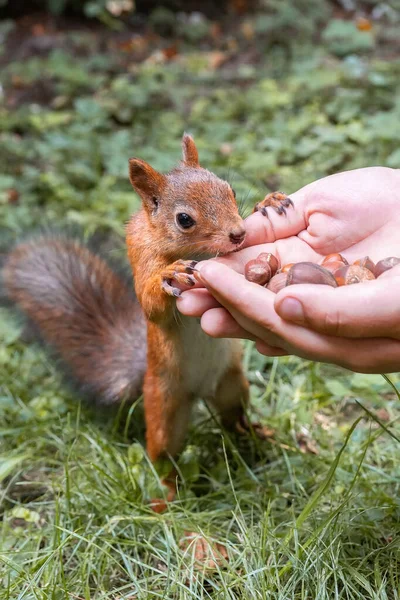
{"type": "Point", "coordinates": [190, 154]}
{"type": "Point", "coordinates": [147, 182]}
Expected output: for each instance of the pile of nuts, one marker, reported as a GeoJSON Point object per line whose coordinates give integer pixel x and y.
{"type": "Point", "coordinates": [334, 270]}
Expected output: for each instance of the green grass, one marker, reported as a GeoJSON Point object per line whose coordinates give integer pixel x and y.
{"type": "Point", "coordinates": [75, 482]}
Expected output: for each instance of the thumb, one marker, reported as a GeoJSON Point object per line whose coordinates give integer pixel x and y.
{"type": "Point", "coordinates": [369, 309]}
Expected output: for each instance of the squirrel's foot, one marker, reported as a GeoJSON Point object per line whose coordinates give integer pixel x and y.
{"type": "Point", "coordinates": [244, 427]}
{"type": "Point", "coordinates": [179, 273]}
{"type": "Point", "coordinates": [277, 200]}
{"type": "Point", "coordinates": [160, 505]}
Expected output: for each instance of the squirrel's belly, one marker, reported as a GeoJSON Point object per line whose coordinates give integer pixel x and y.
{"type": "Point", "coordinates": [205, 359]}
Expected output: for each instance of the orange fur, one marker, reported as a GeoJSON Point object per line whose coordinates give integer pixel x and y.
{"type": "Point", "coordinates": [177, 350]}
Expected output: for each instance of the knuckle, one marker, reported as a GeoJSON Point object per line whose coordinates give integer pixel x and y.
{"type": "Point", "coordinates": [333, 323]}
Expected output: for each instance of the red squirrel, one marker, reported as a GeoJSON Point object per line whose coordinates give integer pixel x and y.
{"type": "Point", "coordinates": [89, 317]}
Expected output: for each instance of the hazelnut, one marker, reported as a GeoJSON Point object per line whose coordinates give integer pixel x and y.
{"type": "Point", "coordinates": [385, 265]}
{"type": "Point", "coordinates": [277, 283]}
{"type": "Point", "coordinates": [258, 272]}
{"type": "Point", "coordinates": [353, 274]}
{"type": "Point", "coordinates": [365, 262]}
{"type": "Point", "coordinates": [333, 266]}
{"type": "Point", "coordinates": [270, 259]}
{"type": "Point", "coordinates": [308, 272]}
{"type": "Point", "coordinates": [286, 268]}
{"type": "Point", "coordinates": [336, 257]}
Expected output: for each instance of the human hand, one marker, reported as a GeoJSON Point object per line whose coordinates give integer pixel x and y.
{"type": "Point", "coordinates": [355, 213]}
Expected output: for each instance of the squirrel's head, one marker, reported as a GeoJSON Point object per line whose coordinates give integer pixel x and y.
{"type": "Point", "coordinates": [194, 211]}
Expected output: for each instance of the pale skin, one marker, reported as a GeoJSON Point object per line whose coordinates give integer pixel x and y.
{"type": "Point", "coordinates": [356, 213]}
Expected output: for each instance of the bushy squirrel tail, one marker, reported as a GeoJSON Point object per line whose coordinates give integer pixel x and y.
{"type": "Point", "coordinates": [83, 311]}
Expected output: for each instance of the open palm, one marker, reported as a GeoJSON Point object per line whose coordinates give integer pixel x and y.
{"type": "Point", "coordinates": [356, 213]}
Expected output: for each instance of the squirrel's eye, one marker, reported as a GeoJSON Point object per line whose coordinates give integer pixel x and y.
{"type": "Point", "coordinates": [185, 220]}
{"type": "Point", "coordinates": [155, 201]}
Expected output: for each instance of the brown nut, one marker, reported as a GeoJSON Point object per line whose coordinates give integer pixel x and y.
{"type": "Point", "coordinates": [286, 268]}
{"type": "Point", "coordinates": [277, 283]}
{"type": "Point", "coordinates": [333, 266]}
{"type": "Point", "coordinates": [385, 265]}
{"type": "Point", "coordinates": [257, 272]}
{"type": "Point", "coordinates": [308, 272]}
{"type": "Point", "coordinates": [353, 274]}
{"type": "Point", "coordinates": [270, 259]}
{"type": "Point", "coordinates": [365, 262]}
{"type": "Point", "coordinates": [336, 257]}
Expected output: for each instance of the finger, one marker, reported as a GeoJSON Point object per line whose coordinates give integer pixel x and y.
{"type": "Point", "coordinates": [369, 309]}
{"type": "Point", "coordinates": [248, 303]}
{"type": "Point", "coordinates": [195, 302]}
{"type": "Point", "coordinates": [252, 307]}
{"type": "Point", "coordinates": [267, 350]}
{"type": "Point", "coordinates": [286, 251]}
{"type": "Point", "coordinates": [218, 323]}
{"type": "Point", "coordinates": [261, 229]}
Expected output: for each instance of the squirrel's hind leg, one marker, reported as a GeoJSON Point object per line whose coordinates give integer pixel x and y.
{"type": "Point", "coordinates": [167, 414]}
{"type": "Point", "coordinates": [231, 400]}
{"type": "Point", "coordinates": [232, 397]}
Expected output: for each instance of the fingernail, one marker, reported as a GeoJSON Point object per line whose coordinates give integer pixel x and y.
{"type": "Point", "coordinates": [197, 274]}
{"type": "Point", "coordinates": [291, 309]}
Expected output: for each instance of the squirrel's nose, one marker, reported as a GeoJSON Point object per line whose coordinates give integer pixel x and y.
{"type": "Point", "coordinates": [237, 235]}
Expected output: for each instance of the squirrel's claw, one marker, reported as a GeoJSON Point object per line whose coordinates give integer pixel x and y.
{"type": "Point", "coordinates": [170, 289]}
{"type": "Point", "coordinates": [277, 200]}
{"type": "Point", "coordinates": [180, 272]}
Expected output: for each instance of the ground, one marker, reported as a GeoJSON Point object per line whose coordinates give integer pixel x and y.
{"type": "Point", "coordinates": [274, 101]}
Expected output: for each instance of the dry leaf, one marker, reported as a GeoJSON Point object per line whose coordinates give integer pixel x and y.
{"type": "Point", "coordinates": [18, 82]}
{"type": "Point", "coordinates": [38, 29]}
{"type": "Point", "coordinates": [363, 24]}
{"type": "Point", "coordinates": [248, 32]}
{"type": "Point", "coordinates": [240, 6]}
{"type": "Point", "coordinates": [170, 52]}
{"type": "Point", "coordinates": [12, 196]}
{"type": "Point", "coordinates": [383, 414]}
{"type": "Point", "coordinates": [216, 31]}
{"type": "Point", "coordinates": [137, 43]}
{"type": "Point", "coordinates": [208, 554]}
{"type": "Point", "coordinates": [306, 444]}
{"type": "Point", "coordinates": [216, 59]}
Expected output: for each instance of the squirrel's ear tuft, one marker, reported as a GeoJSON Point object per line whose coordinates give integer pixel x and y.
{"type": "Point", "coordinates": [190, 154]}
{"type": "Point", "coordinates": [146, 181]}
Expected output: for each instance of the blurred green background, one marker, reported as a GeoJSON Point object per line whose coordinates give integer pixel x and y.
{"type": "Point", "coordinates": [276, 93]}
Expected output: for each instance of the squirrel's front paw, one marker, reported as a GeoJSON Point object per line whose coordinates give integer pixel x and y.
{"type": "Point", "coordinates": [178, 277]}
{"type": "Point", "coordinates": [277, 200]}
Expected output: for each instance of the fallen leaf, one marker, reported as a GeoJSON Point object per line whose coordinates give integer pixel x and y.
{"type": "Point", "coordinates": [170, 52]}
{"type": "Point", "coordinates": [248, 31]}
{"type": "Point", "coordinates": [208, 554]}
{"type": "Point", "coordinates": [137, 44]}
{"type": "Point", "coordinates": [363, 24]}
{"type": "Point", "coordinates": [217, 59]}
{"type": "Point", "coordinates": [12, 196]}
{"type": "Point", "coordinates": [306, 444]}
{"type": "Point", "coordinates": [383, 414]}
{"type": "Point", "coordinates": [18, 82]}
{"type": "Point", "coordinates": [38, 29]}
{"type": "Point", "coordinates": [216, 31]}
{"type": "Point", "coordinates": [240, 6]}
